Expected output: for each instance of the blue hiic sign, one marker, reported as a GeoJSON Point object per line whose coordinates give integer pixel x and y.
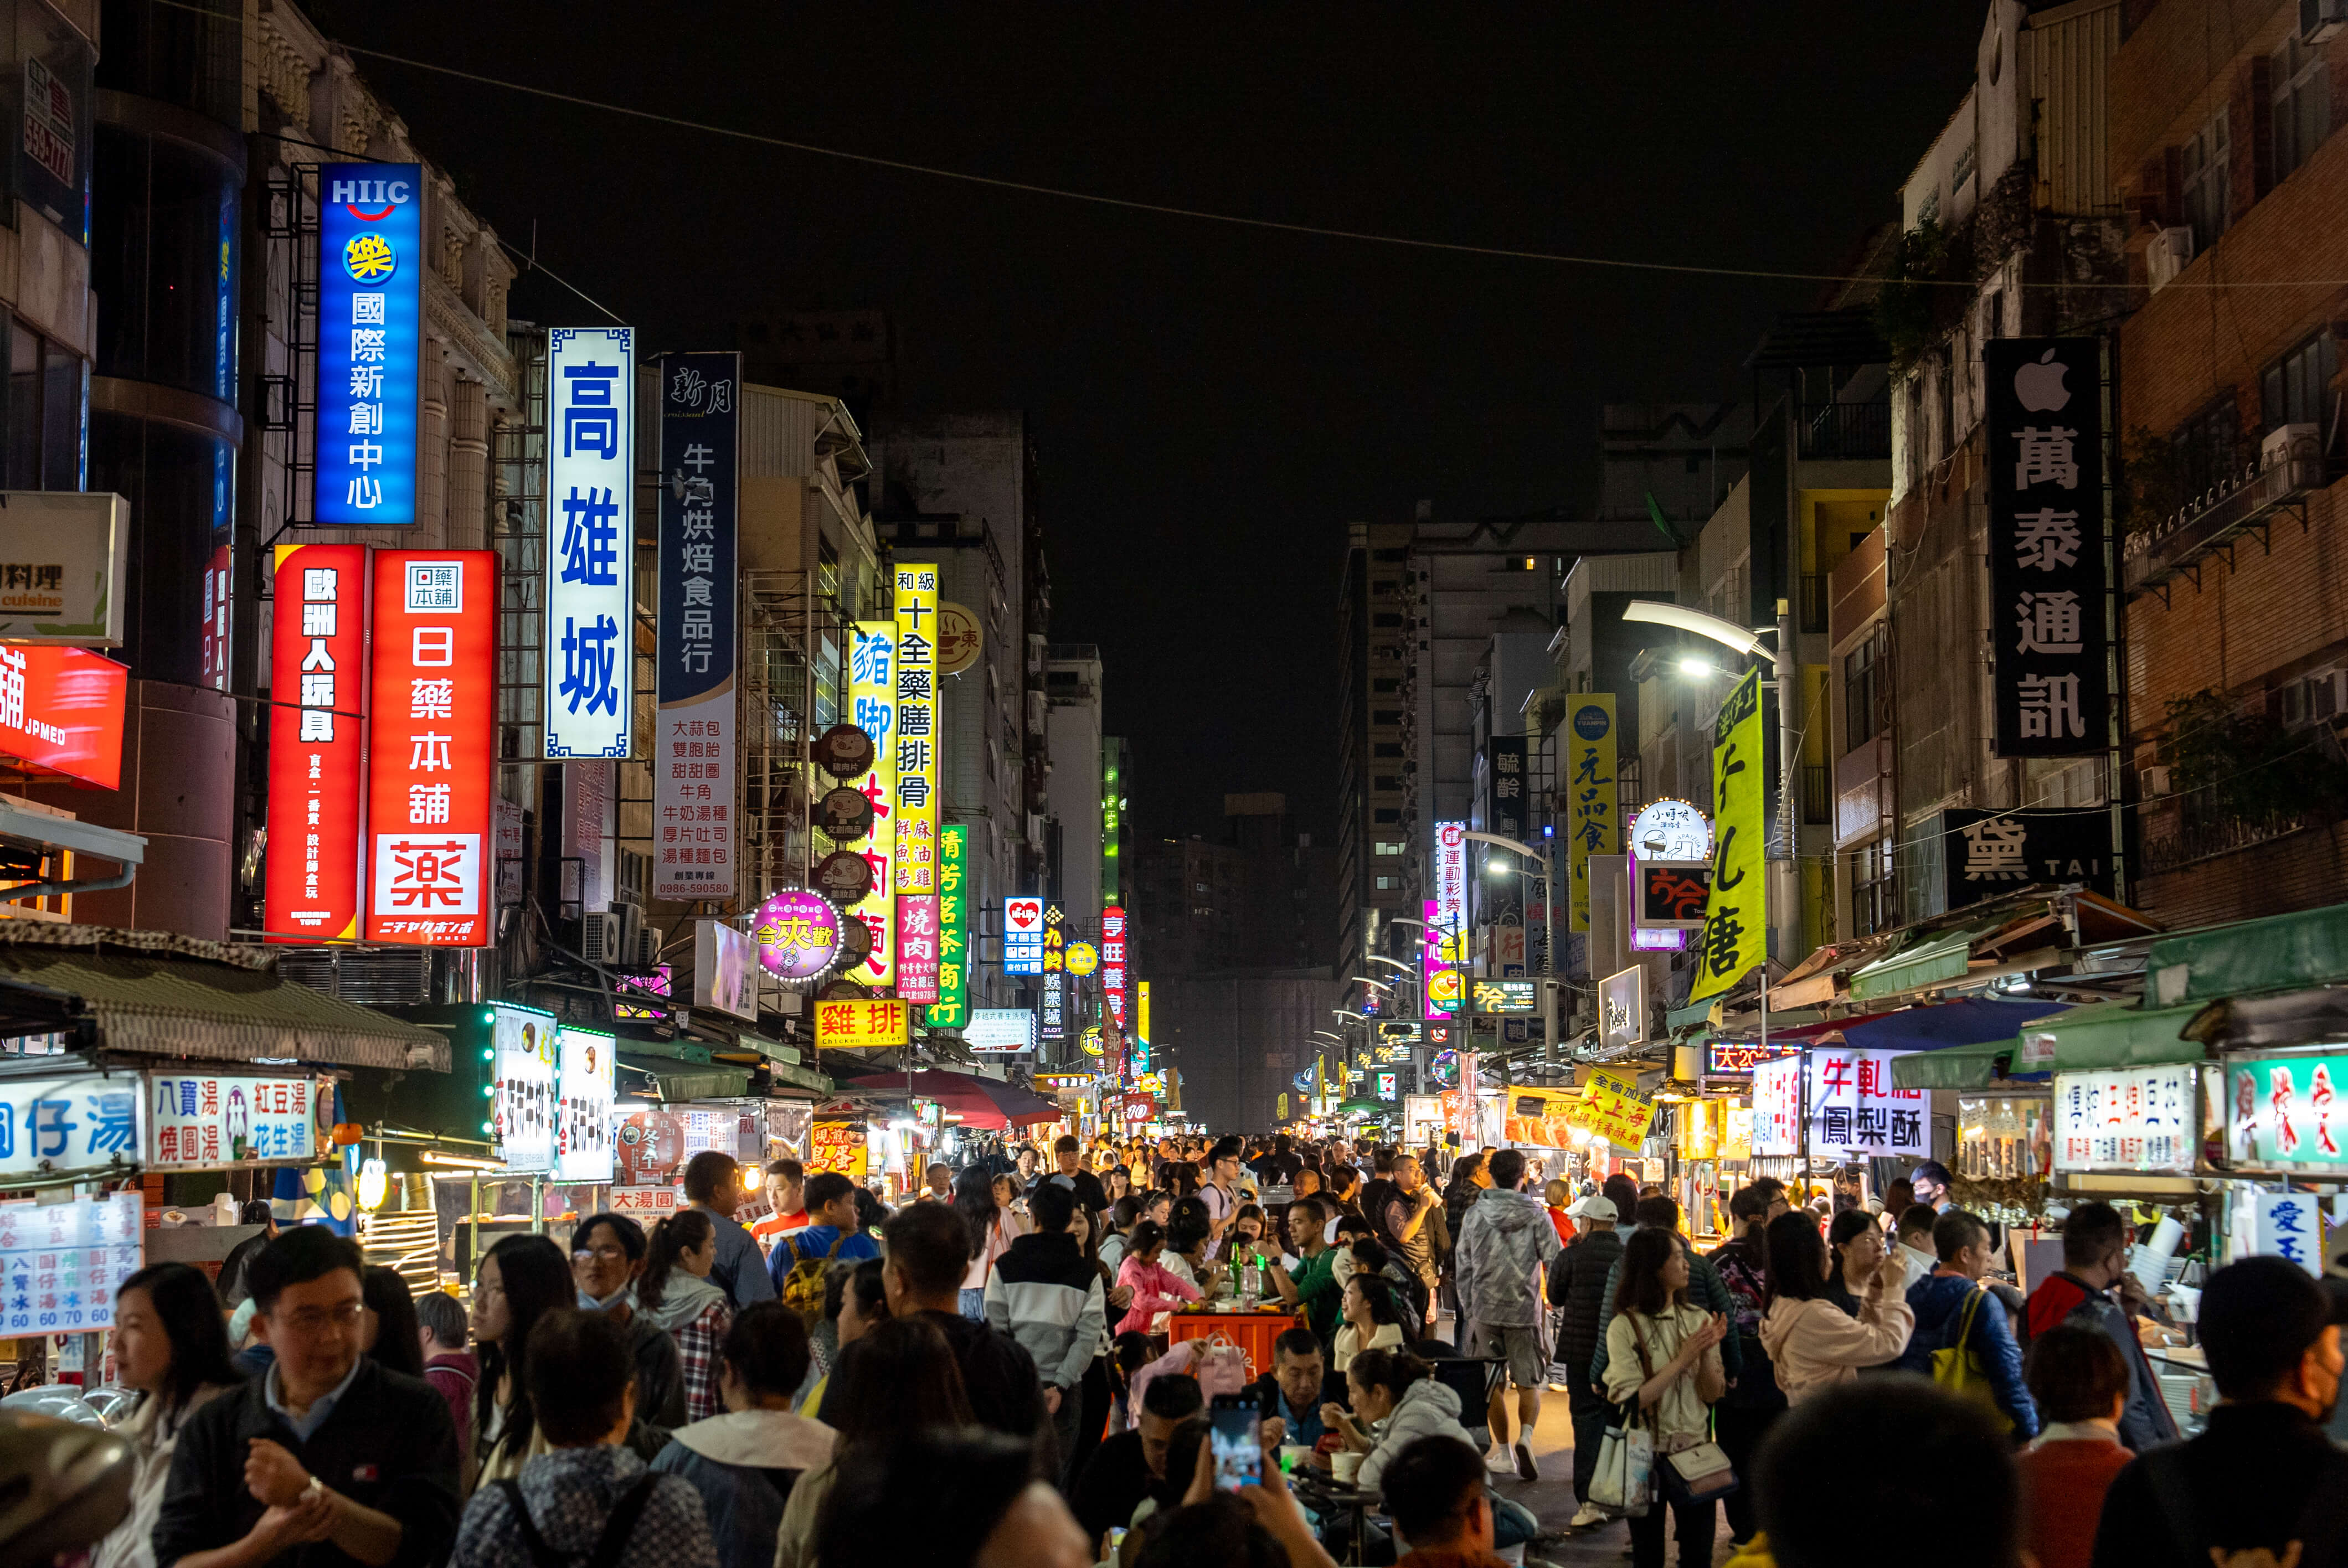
{"type": "Point", "coordinates": [371, 265]}
{"type": "Point", "coordinates": [591, 508]}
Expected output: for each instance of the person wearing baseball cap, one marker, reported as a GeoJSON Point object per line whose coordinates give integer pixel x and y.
{"type": "Point", "coordinates": [1577, 1288]}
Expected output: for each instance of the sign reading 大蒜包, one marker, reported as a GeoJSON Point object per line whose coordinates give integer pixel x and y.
{"type": "Point", "coordinates": [590, 511]}
{"type": "Point", "coordinates": [371, 265]}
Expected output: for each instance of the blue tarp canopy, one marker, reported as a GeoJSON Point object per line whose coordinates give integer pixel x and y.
{"type": "Point", "coordinates": [1969, 1020]}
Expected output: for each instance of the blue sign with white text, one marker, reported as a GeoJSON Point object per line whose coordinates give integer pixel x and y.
{"type": "Point", "coordinates": [371, 266]}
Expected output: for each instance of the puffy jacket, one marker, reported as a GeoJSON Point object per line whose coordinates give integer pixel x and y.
{"type": "Point", "coordinates": [1814, 1344]}
{"type": "Point", "coordinates": [1705, 1289]}
{"type": "Point", "coordinates": [1504, 1238]}
{"type": "Point", "coordinates": [1939, 1304]}
{"type": "Point", "coordinates": [2065, 1299]}
{"type": "Point", "coordinates": [1577, 1283]}
{"type": "Point", "coordinates": [1426, 1410]}
{"type": "Point", "coordinates": [1046, 1294]}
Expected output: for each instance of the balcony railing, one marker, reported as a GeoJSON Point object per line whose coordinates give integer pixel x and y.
{"type": "Point", "coordinates": [2215, 519]}
{"type": "Point", "coordinates": [1847, 430]}
{"type": "Point", "coordinates": [2187, 837]}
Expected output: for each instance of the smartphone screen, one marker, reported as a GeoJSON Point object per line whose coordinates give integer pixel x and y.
{"type": "Point", "coordinates": [1237, 1457]}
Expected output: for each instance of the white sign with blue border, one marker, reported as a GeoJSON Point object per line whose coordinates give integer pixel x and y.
{"type": "Point", "coordinates": [591, 526]}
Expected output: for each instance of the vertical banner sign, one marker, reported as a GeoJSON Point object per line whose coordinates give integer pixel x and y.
{"type": "Point", "coordinates": [591, 507]}
{"type": "Point", "coordinates": [1592, 807]}
{"type": "Point", "coordinates": [371, 264]}
{"type": "Point", "coordinates": [872, 698]}
{"type": "Point", "coordinates": [693, 752]}
{"type": "Point", "coordinates": [1113, 964]}
{"type": "Point", "coordinates": [917, 736]}
{"type": "Point", "coordinates": [430, 762]}
{"type": "Point", "coordinates": [2045, 412]}
{"type": "Point", "coordinates": [917, 945]}
{"type": "Point", "coordinates": [1735, 922]}
{"type": "Point", "coordinates": [318, 742]}
{"type": "Point", "coordinates": [951, 1010]}
{"type": "Point", "coordinates": [1451, 888]}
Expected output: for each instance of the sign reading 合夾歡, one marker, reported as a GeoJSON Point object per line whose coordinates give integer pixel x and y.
{"type": "Point", "coordinates": [591, 513]}
{"type": "Point", "coordinates": [1614, 1107]}
{"type": "Point", "coordinates": [62, 558]}
{"type": "Point", "coordinates": [371, 266]}
{"type": "Point", "coordinates": [198, 1120]}
{"type": "Point", "coordinates": [1735, 920]}
{"type": "Point", "coordinates": [694, 853]}
{"type": "Point", "coordinates": [2042, 410]}
{"type": "Point", "coordinates": [862, 1024]}
{"type": "Point", "coordinates": [872, 698]}
{"type": "Point", "coordinates": [431, 728]}
{"type": "Point", "coordinates": [797, 933]}
{"type": "Point", "coordinates": [1593, 806]}
{"type": "Point", "coordinates": [2144, 1120]}
{"type": "Point", "coordinates": [1000, 1030]}
{"type": "Point", "coordinates": [954, 928]}
{"type": "Point", "coordinates": [317, 743]}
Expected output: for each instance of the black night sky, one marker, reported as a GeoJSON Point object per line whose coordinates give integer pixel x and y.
{"type": "Point", "coordinates": [1213, 404]}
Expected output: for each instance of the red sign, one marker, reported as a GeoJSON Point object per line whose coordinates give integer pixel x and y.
{"type": "Point", "coordinates": [61, 710]}
{"type": "Point", "coordinates": [1112, 961]}
{"type": "Point", "coordinates": [318, 742]}
{"type": "Point", "coordinates": [917, 947]}
{"type": "Point", "coordinates": [1141, 1108]}
{"type": "Point", "coordinates": [431, 755]}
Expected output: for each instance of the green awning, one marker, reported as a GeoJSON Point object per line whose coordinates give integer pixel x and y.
{"type": "Point", "coordinates": [1677, 1018]}
{"type": "Point", "coordinates": [2116, 1034]}
{"type": "Point", "coordinates": [1943, 956]}
{"type": "Point", "coordinates": [2281, 952]}
{"type": "Point", "coordinates": [677, 1081]}
{"type": "Point", "coordinates": [1956, 1066]}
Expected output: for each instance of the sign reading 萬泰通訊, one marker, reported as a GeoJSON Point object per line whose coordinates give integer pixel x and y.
{"type": "Point", "coordinates": [1735, 921]}
{"type": "Point", "coordinates": [2043, 412]}
{"type": "Point", "coordinates": [371, 267]}
{"type": "Point", "coordinates": [1592, 805]}
{"type": "Point", "coordinates": [694, 740]}
{"type": "Point", "coordinates": [590, 447]}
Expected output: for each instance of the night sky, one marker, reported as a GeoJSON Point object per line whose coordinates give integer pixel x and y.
{"type": "Point", "coordinates": [1213, 404]}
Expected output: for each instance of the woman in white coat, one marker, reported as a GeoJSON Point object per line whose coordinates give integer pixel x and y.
{"type": "Point", "coordinates": [170, 1343]}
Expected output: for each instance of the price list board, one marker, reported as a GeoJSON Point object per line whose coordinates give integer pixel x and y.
{"type": "Point", "coordinates": [60, 1264]}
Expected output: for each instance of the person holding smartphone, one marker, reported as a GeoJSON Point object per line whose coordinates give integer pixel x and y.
{"type": "Point", "coordinates": [1662, 1358]}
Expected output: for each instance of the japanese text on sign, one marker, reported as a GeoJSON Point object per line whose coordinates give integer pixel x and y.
{"type": "Point", "coordinates": [590, 447]}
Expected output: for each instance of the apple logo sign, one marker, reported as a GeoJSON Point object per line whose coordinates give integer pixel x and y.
{"type": "Point", "coordinates": [2040, 386]}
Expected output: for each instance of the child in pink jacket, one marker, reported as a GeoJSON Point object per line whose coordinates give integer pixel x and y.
{"type": "Point", "coordinates": [1155, 1289]}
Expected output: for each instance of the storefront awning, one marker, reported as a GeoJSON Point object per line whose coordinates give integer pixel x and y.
{"type": "Point", "coordinates": [158, 994]}
{"type": "Point", "coordinates": [677, 1080]}
{"type": "Point", "coordinates": [1975, 1066]}
{"type": "Point", "coordinates": [1941, 956]}
{"type": "Point", "coordinates": [2281, 952]}
{"type": "Point", "coordinates": [2113, 1034]}
{"type": "Point", "coordinates": [1965, 1021]}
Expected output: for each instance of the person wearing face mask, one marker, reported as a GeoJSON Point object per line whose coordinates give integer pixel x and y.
{"type": "Point", "coordinates": [2095, 1289]}
{"type": "Point", "coordinates": [607, 1258]}
{"type": "Point", "coordinates": [2262, 1476]}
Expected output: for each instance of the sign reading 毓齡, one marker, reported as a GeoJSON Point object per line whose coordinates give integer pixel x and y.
{"type": "Point", "coordinates": [317, 743]}
{"type": "Point", "coordinates": [872, 698]}
{"type": "Point", "coordinates": [694, 852]}
{"type": "Point", "coordinates": [952, 1007]}
{"type": "Point", "coordinates": [1985, 852]}
{"type": "Point", "coordinates": [591, 508]}
{"type": "Point", "coordinates": [1735, 920]}
{"type": "Point", "coordinates": [371, 267]}
{"type": "Point", "coordinates": [1594, 808]}
{"type": "Point", "coordinates": [62, 557]}
{"type": "Point", "coordinates": [861, 1025]}
{"type": "Point", "coordinates": [2043, 409]}
{"type": "Point", "coordinates": [431, 724]}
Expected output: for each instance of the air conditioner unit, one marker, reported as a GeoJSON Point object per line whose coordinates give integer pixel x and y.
{"type": "Point", "coordinates": [2170, 250]}
{"type": "Point", "coordinates": [2321, 19]}
{"type": "Point", "coordinates": [2156, 781]}
{"type": "Point", "coordinates": [643, 953]}
{"type": "Point", "coordinates": [599, 936]}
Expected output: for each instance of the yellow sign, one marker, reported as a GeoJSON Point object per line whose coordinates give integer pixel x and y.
{"type": "Point", "coordinates": [1592, 808]}
{"type": "Point", "coordinates": [838, 1146]}
{"type": "Point", "coordinates": [859, 1025]}
{"type": "Point", "coordinates": [1092, 1040]}
{"type": "Point", "coordinates": [1082, 958]}
{"type": "Point", "coordinates": [872, 708]}
{"type": "Point", "coordinates": [918, 732]}
{"type": "Point", "coordinates": [1283, 1107]}
{"type": "Point", "coordinates": [1142, 1013]}
{"type": "Point", "coordinates": [1615, 1108]}
{"type": "Point", "coordinates": [1735, 935]}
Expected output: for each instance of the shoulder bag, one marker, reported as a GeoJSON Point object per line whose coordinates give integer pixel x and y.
{"type": "Point", "coordinates": [1701, 1472]}
{"type": "Point", "coordinates": [1957, 1367]}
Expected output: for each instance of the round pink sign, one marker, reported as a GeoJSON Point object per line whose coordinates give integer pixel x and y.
{"type": "Point", "coordinates": [797, 933]}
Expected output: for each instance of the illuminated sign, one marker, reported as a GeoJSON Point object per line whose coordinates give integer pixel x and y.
{"type": "Point", "coordinates": [797, 933]}
{"type": "Point", "coordinates": [1623, 1008]}
{"type": "Point", "coordinates": [583, 1108]}
{"type": "Point", "coordinates": [371, 266]}
{"type": "Point", "coordinates": [317, 743]}
{"type": "Point", "coordinates": [61, 712]}
{"type": "Point", "coordinates": [1082, 958]}
{"type": "Point", "coordinates": [1450, 917]}
{"type": "Point", "coordinates": [1113, 964]}
{"type": "Point", "coordinates": [1671, 895]}
{"type": "Point", "coordinates": [524, 1105]}
{"type": "Point", "coordinates": [1023, 935]}
{"type": "Point", "coordinates": [954, 928]}
{"type": "Point", "coordinates": [1594, 825]}
{"type": "Point", "coordinates": [432, 713]}
{"type": "Point", "coordinates": [1386, 1085]}
{"type": "Point", "coordinates": [199, 1119]}
{"type": "Point", "coordinates": [591, 518]}
{"type": "Point", "coordinates": [1000, 1030]}
{"type": "Point", "coordinates": [694, 738]}
{"type": "Point", "coordinates": [61, 566]}
{"type": "Point", "coordinates": [725, 966]}
{"type": "Point", "coordinates": [873, 697]}
{"type": "Point", "coordinates": [917, 943]}
{"type": "Point", "coordinates": [1671, 829]}
{"type": "Point", "coordinates": [1438, 983]}
{"type": "Point", "coordinates": [1731, 1058]}
{"type": "Point", "coordinates": [1505, 996]}
{"type": "Point", "coordinates": [1055, 1005]}
{"type": "Point", "coordinates": [918, 734]}
{"type": "Point", "coordinates": [862, 1025]}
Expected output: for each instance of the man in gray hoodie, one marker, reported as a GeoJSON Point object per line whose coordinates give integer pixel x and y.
{"type": "Point", "coordinates": [1505, 1241]}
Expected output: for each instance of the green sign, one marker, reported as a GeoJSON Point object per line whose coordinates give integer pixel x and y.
{"type": "Point", "coordinates": [952, 1009]}
{"type": "Point", "coordinates": [2283, 1113]}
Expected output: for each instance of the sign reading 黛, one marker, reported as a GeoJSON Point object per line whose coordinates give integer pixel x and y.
{"type": "Point", "coordinates": [590, 447]}
{"type": "Point", "coordinates": [371, 265]}
{"type": "Point", "coordinates": [1985, 852]}
{"type": "Point", "coordinates": [318, 742]}
{"type": "Point", "coordinates": [2044, 413]}
{"type": "Point", "coordinates": [432, 718]}
{"type": "Point", "coordinates": [1592, 807]}
{"type": "Point", "coordinates": [693, 750]}
{"type": "Point", "coordinates": [1735, 920]}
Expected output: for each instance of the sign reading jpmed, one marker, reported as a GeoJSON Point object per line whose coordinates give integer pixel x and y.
{"type": "Point", "coordinates": [370, 335]}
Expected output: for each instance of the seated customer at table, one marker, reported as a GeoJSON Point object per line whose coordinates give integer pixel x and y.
{"type": "Point", "coordinates": [1291, 1392]}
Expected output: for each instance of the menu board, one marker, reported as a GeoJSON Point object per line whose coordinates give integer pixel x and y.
{"type": "Point", "coordinates": [60, 1264]}
{"type": "Point", "coordinates": [523, 1122]}
{"type": "Point", "coordinates": [2136, 1119]}
{"type": "Point", "coordinates": [838, 1146]}
{"type": "Point", "coordinates": [582, 1132]}
{"type": "Point", "coordinates": [1777, 1107]}
{"type": "Point", "coordinates": [206, 1119]}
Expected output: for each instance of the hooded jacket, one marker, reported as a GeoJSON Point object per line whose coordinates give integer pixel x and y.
{"type": "Point", "coordinates": [1046, 1294]}
{"type": "Point", "coordinates": [1504, 1238]}
{"type": "Point", "coordinates": [2064, 1297]}
{"type": "Point", "coordinates": [1939, 1304]}
{"type": "Point", "coordinates": [685, 1297]}
{"type": "Point", "coordinates": [1426, 1410]}
{"type": "Point", "coordinates": [744, 1464]}
{"type": "Point", "coordinates": [1577, 1283]}
{"type": "Point", "coordinates": [1813, 1345]}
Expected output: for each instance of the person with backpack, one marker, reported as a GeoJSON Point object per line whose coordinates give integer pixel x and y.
{"type": "Point", "coordinates": [447, 1364]}
{"type": "Point", "coordinates": [796, 1268]}
{"type": "Point", "coordinates": [2095, 1289]}
{"type": "Point", "coordinates": [1953, 1313]}
{"type": "Point", "coordinates": [588, 1499]}
{"type": "Point", "coordinates": [1047, 1294]}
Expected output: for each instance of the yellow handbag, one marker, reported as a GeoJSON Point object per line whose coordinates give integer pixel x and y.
{"type": "Point", "coordinates": [1958, 1368]}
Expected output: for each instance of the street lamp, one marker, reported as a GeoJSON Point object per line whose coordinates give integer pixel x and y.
{"type": "Point", "coordinates": [1373, 985]}
{"type": "Point", "coordinates": [1725, 633]}
{"type": "Point", "coordinates": [1392, 963]}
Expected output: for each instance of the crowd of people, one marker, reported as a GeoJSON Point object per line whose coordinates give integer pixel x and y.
{"type": "Point", "coordinates": [984, 1376]}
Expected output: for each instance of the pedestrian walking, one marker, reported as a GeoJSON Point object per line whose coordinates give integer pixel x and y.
{"type": "Point", "coordinates": [1576, 1287]}
{"type": "Point", "coordinates": [170, 1343]}
{"type": "Point", "coordinates": [520, 1280]}
{"type": "Point", "coordinates": [1954, 1313]}
{"type": "Point", "coordinates": [447, 1364]}
{"type": "Point", "coordinates": [712, 1185]}
{"type": "Point", "coordinates": [608, 1253]}
{"type": "Point", "coordinates": [675, 1294]}
{"type": "Point", "coordinates": [1812, 1344]}
{"type": "Point", "coordinates": [1504, 1244]}
{"type": "Point", "coordinates": [1754, 1400]}
{"type": "Point", "coordinates": [928, 1255]}
{"type": "Point", "coordinates": [993, 1228]}
{"type": "Point", "coordinates": [746, 1460]}
{"type": "Point", "coordinates": [1047, 1294]}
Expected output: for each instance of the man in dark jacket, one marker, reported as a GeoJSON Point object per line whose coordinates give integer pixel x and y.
{"type": "Point", "coordinates": [1577, 1287]}
{"type": "Point", "coordinates": [327, 1459]}
{"type": "Point", "coordinates": [2262, 1476]}
{"type": "Point", "coordinates": [711, 1185]}
{"type": "Point", "coordinates": [1069, 1173]}
{"type": "Point", "coordinates": [1047, 1295]}
{"type": "Point", "coordinates": [928, 1254]}
{"type": "Point", "coordinates": [1754, 1400]}
{"type": "Point", "coordinates": [1294, 1391]}
{"type": "Point", "coordinates": [1940, 1301]}
{"type": "Point", "coordinates": [2095, 1290]}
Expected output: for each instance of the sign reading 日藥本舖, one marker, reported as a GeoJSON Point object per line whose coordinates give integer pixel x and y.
{"type": "Point", "coordinates": [371, 265]}
{"type": "Point", "coordinates": [591, 510]}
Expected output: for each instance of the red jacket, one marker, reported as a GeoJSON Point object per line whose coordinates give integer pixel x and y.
{"type": "Point", "coordinates": [2063, 1486]}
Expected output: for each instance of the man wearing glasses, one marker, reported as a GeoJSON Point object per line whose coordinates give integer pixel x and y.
{"type": "Point", "coordinates": [328, 1458]}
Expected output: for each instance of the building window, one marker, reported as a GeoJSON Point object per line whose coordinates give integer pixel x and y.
{"type": "Point", "coordinates": [1873, 906]}
{"type": "Point", "coordinates": [1386, 716]}
{"type": "Point", "coordinates": [1390, 555]}
{"type": "Point", "coordinates": [2303, 104]}
{"type": "Point", "coordinates": [1385, 813]}
{"type": "Point", "coordinates": [1387, 748]}
{"type": "Point", "coordinates": [2297, 388]}
{"type": "Point", "coordinates": [2209, 180]}
{"type": "Point", "coordinates": [1863, 685]}
{"type": "Point", "coordinates": [2205, 446]}
{"type": "Point", "coordinates": [1388, 782]}
{"type": "Point", "coordinates": [1387, 617]}
{"type": "Point", "coordinates": [1388, 884]}
{"type": "Point", "coordinates": [1385, 848]}
{"type": "Point", "coordinates": [1386, 685]}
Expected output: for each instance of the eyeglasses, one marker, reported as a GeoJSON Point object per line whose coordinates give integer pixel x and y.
{"type": "Point", "coordinates": [612, 1254]}
{"type": "Point", "coordinates": [310, 1320]}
